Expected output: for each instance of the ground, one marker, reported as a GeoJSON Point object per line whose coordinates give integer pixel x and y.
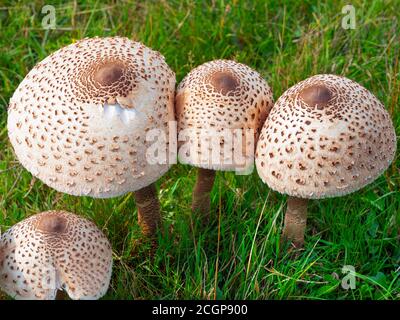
{"type": "Point", "coordinates": [238, 255]}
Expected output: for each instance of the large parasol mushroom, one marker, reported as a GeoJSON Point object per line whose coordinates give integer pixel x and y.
{"type": "Point", "coordinates": [79, 121]}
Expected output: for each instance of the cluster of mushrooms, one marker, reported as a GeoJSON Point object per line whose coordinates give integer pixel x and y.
{"type": "Point", "coordinates": [80, 122]}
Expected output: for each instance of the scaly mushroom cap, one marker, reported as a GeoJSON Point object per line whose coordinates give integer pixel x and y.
{"type": "Point", "coordinates": [325, 136]}
{"type": "Point", "coordinates": [78, 121]}
{"type": "Point", "coordinates": [51, 251]}
{"type": "Point", "coordinates": [217, 98]}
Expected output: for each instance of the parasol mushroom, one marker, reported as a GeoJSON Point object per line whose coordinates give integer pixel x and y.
{"type": "Point", "coordinates": [79, 119]}
{"type": "Point", "coordinates": [53, 251]}
{"type": "Point", "coordinates": [326, 136]}
{"type": "Point", "coordinates": [220, 108]}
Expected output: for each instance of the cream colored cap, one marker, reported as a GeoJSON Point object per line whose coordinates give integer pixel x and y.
{"type": "Point", "coordinates": [79, 119]}
{"type": "Point", "coordinates": [51, 251]}
{"type": "Point", "coordinates": [326, 136]}
{"type": "Point", "coordinates": [217, 98]}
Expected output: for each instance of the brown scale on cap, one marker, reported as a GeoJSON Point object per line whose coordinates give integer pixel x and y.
{"type": "Point", "coordinates": [316, 95]}
{"type": "Point", "coordinates": [223, 82]}
{"type": "Point", "coordinates": [78, 121]}
{"type": "Point", "coordinates": [55, 250]}
{"type": "Point", "coordinates": [109, 73]}
{"type": "Point", "coordinates": [222, 95]}
{"type": "Point", "coordinates": [52, 223]}
{"type": "Point", "coordinates": [325, 136]}
{"type": "Point", "coordinates": [104, 80]}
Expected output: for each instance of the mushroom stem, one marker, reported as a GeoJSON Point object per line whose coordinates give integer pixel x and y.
{"type": "Point", "coordinates": [201, 202]}
{"type": "Point", "coordinates": [149, 217]}
{"type": "Point", "coordinates": [295, 221]}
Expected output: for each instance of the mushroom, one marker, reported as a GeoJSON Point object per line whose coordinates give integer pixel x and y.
{"type": "Point", "coordinates": [326, 136]}
{"type": "Point", "coordinates": [51, 251]}
{"type": "Point", "coordinates": [79, 121]}
{"type": "Point", "coordinates": [220, 104]}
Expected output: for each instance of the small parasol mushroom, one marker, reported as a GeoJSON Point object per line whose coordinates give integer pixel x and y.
{"type": "Point", "coordinates": [326, 136]}
{"type": "Point", "coordinates": [52, 251]}
{"type": "Point", "coordinates": [217, 105]}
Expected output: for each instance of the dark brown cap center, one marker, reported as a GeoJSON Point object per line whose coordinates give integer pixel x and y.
{"type": "Point", "coordinates": [316, 95]}
{"type": "Point", "coordinates": [52, 224]}
{"type": "Point", "coordinates": [224, 82]}
{"type": "Point", "coordinates": [108, 74]}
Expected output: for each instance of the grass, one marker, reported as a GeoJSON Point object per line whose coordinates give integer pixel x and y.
{"type": "Point", "coordinates": [286, 42]}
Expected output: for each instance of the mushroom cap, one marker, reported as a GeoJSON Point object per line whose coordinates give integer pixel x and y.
{"type": "Point", "coordinates": [221, 99]}
{"type": "Point", "coordinates": [51, 251]}
{"type": "Point", "coordinates": [326, 136]}
{"type": "Point", "coordinates": [79, 119]}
